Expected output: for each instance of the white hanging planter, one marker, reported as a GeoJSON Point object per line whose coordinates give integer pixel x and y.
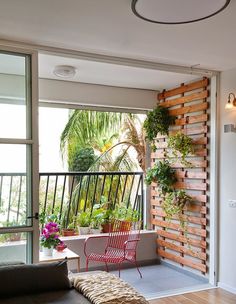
{"type": "Point", "coordinates": [48, 251]}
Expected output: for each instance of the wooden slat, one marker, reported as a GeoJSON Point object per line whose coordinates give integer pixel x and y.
{"type": "Point", "coordinates": [174, 226]}
{"type": "Point", "coordinates": [190, 219]}
{"type": "Point", "coordinates": [189, 109]}
{"type": "Point", "coordinates": [183, 89]}
{"type": "Point", "coordinates": [185, 99]}
{"type": "Point", "coordinates": [191, 120]}
{"type": "Point", "coordinates": [191, 174]}
{"type": "Point", "coordinates": [181, 238]}
{"type": "Point", "coordinates": [181, 260]}
{"type": "Point", "coordinates": [191, 186]}
{"type": "Point", "coordinates": [194, 163]}
{"type": "Point", "coordinates": [200, 255]}
{"type": "Point", "coordinates": [161, 154]}
{"type": "Point", "coordinates": [187, 131]}
{"type": "Point", "coordinates": [197, 141]}
{"type": "Point", "coordinates": [191, 208]}
{"type": "Point", "coordinates": [197, 198]}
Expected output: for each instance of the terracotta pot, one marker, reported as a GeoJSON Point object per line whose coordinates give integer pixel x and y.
{"type": "Point", "coordinates": [61, 247]}
{"type": "Point", "coordinates": [125, 226]}
{"type": "Point", "coordinates": [68, 231]}
{"type": "Point", "coordinates": [106, 227]}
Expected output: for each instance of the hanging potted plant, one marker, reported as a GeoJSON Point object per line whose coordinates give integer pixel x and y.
{"type": "Point", "coordinates": [157, 121]}
{"type": "Point", "coordinates": [174, 204]}
{"type": "Point", "coordinates": [181, 146]}
{"type": "Point", "coordinates": [49, 238]}
{"type": "Point", "coordinates": [162, 174]}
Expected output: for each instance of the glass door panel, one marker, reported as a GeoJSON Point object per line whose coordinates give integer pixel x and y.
{"type": "Point", "coordinates": [18, 166]}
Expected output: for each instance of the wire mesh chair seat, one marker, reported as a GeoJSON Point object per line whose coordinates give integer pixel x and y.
{"type": "Point", "coordinates": [121, 245]}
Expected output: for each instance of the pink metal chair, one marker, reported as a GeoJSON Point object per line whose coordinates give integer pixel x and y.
{"type": "Point", "coordinates": [120, 246]}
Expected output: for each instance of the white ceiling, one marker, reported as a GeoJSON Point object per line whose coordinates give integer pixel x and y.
{"type": "Point", "coordinates": [111, 74]}
{"type": "Point", "coordinates": [110, 27]}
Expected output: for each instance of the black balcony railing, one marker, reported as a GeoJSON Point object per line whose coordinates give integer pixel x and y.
{"type": "Point", "coordinates": [66, 194]}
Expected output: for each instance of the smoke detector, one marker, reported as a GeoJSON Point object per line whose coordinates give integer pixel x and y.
{"type": "Point", "coordinates": [65, 71]}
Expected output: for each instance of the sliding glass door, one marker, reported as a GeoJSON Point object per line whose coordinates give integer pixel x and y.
{"type": "Point", "coordinates": [18, 157]}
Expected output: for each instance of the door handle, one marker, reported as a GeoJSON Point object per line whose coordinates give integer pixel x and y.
{"type": "Point", "coordinates": [35, 216]}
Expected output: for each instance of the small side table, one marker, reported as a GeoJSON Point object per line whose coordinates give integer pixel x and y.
{"type": "Point", "coordinates": [60, 256]}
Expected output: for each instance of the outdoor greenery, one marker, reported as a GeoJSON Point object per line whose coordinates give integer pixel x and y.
{"type": "Point", "coordinates": [162, 174]}
{"type": "Point", "coordinates": [181, 145]}
{"type": "Point", "coordinates": [81, 159]}
{"type": "Point", "coordinates": [157, 121]}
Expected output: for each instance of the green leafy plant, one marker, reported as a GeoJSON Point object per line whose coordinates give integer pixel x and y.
{"type": "Point", "coordinates": [81, 159]}
{"type": "Point", "coordinates": [83, 218]}
{"type": "Point", "coordinates": [96, 217]}
{"type": "Point", "coordinates": [182, 144]}
{"type": "Point", "coordinates": [124, 213]}
{"type": "Point", "coordinates": [157, 121]}
{"type": "Point", "coordinates": [173, 205]}
{"type": "Point", "coordinates": [163, 174]}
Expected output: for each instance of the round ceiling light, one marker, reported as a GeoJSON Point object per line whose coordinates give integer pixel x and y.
{"type": "Point", "coordinates": [177, 11]}
{"type": "Point", "coordinates": [65, 71]}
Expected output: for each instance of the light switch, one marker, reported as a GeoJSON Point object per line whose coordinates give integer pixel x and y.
{"type": "Point", "coordinates": [232, 203]}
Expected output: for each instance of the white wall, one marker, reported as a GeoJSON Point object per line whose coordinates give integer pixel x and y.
{"type": "Point", "coordinates": [227, 187]}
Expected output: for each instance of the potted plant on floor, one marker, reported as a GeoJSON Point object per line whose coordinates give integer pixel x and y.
{"type": "Point", "coordinates": [49, 238]}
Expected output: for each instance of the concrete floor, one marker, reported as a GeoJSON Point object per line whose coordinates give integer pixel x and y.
{"type": "Point", "coordinates": [160, 280]}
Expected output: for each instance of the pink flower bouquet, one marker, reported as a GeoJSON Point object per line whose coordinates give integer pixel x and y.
{"type": "Point", "coordinates": [50, 235]}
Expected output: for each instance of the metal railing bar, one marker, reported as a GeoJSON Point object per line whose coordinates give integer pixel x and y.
{"type": "Point", "coordinates": [79, 193]}
{"type": "Point", "coordinates": [131, 187]}
{"type": "Point", "coordinates": [109, 193]}
{"type": "Point", "coordinates": [136, 195]}
{"type": "Point", "coordinates": [86, 199]}
{"type": "Point", "coordinates": [62, 196]}
{"type": "Point", "coordinates": [94, 193]}
{"type": "Point", "coordinates": [54, 195]}
{"type": "Point", "coordinates": [90, 173]}
{"type": "Point", "coordinates": [123, 193]}
{"type": "Point", "coordinates": [117, 189]}
{"type": "Point", "coordinates": [46, 194]}
{"type": "Point", "coordinates": [70, 199]}
{"type": "Point", "coordinates": [103, 185]}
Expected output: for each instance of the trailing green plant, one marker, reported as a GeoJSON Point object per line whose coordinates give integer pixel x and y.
{"type": "Point", "coordinates": [163, 174]}
{"type": "Point", "coordinates": [173, 205]}
{"type": "Point", "coordinates": [182, 144]}
{"type": "Point", "coordinates": [157, 121]}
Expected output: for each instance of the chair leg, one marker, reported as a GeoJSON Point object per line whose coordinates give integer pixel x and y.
{"type": "Point", "coordinates": [135, 262]}
{"type": "Point", "coordinates": [87, 262]}
{"type": "Point", "coordinates": [107, 270]}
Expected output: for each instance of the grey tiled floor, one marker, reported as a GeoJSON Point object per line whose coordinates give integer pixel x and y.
{"type": "Point", "coordinates": [158, 279]}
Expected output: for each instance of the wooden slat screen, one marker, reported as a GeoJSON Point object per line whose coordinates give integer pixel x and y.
{"type": "Point", "coordinates": [189, 103]}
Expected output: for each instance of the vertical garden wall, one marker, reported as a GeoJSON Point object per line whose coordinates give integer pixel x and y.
{"type": "Point", "coordinates": [185, 245]}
